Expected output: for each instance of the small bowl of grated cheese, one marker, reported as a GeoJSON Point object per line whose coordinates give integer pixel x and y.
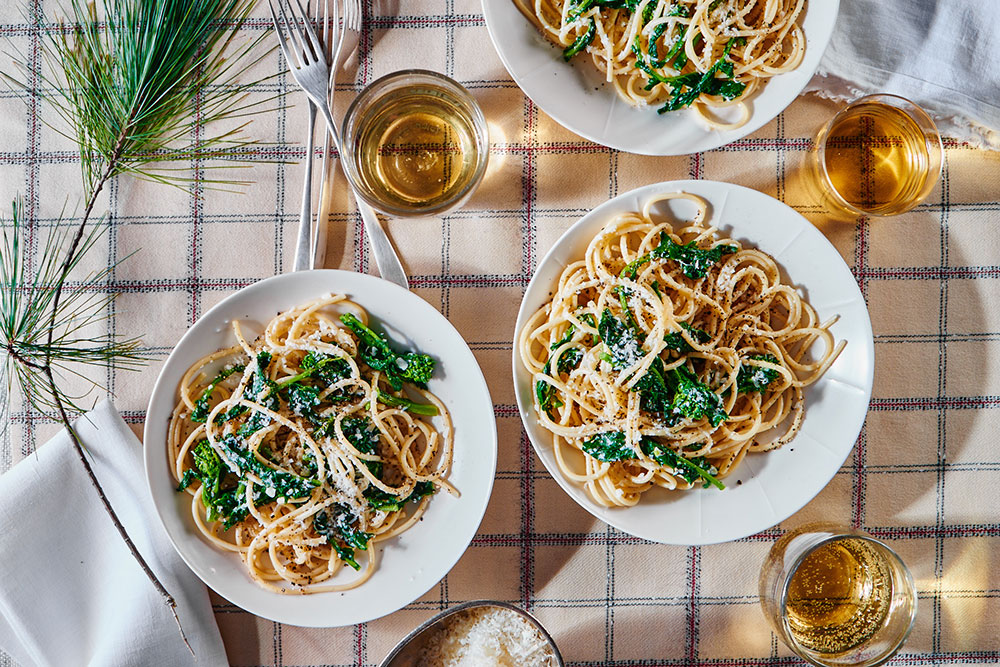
{"type": "Point", "coordinates": [481, 633]}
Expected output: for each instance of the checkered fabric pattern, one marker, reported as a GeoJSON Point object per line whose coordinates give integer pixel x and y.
{"type": "Point", "coordinates": [924, 472]}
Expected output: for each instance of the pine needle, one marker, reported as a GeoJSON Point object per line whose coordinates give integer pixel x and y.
{"type": "Point", "coordinates": [139, 85]}
{"type": "Point", "coordinates": [32, 336]}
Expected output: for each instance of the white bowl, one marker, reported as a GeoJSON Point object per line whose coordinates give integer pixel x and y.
{"type": "Point", "coordinates": [775, 484]}
{"type": "Point", "coordinates": [409, 564]}
{"type": "Point", "coordinates": [578, 97]}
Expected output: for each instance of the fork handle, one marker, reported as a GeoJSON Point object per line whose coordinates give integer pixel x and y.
{"type": "Point", "coordinates": [322, 219]}
{"type": "Point", "coordinates": [303, 244]}
{"type": "Point", "coordinates": [386, 259]}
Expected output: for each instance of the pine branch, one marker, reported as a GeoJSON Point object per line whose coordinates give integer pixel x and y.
{"type": "Point", "coordinates": [135, 88]}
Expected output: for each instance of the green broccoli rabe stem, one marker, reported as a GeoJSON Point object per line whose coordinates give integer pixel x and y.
{"type": "Point", "coordinates": [685, 468]}
{"type": "Point", "coordinates": [581, 42]}
{"type": "Point", "coordinates": [545, 394]}
{"type": "Point", "coordinates": [704, 474]}
{"type": "Point", "coordinates": [201, 406]}
{"type": "Point", "coordinates": [309, 372]}
{"type": "Point", "coordinates": [623, 300]}
{"type": "Point", "coordinates": [613, 446]}
{"type": "Point", "coordinates": [579, 7]}
{"type": "Point", "coordinates": [380, 500]}
{"type": "Point", "coordinates": [367, 336]}
{"type": "Point", "coordinates": [426, 409]}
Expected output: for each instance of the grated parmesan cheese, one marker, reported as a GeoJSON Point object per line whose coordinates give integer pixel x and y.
{"type": "Point", "coordinates": [487, 637]}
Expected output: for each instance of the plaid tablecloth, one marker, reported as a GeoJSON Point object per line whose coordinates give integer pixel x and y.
{"type": "Point", "coordinates": [923, 475]}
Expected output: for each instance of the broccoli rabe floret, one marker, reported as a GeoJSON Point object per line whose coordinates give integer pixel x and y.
{"type": "Point", "coordinates": [398, 368]}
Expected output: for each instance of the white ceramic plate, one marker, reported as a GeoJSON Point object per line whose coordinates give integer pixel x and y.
{"type": "Point", "coordinates": [775, 484]}
{"type": "Point", "coordinates": [410, 564]}
{"type": "Point", "coordinates": [572, 93]}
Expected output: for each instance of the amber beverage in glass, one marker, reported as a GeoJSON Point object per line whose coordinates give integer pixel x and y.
{"type": "Point", "coordinates": [881, 155]}
{"type": "Point", "coordinates": [837, 596]}
{"type": "Point", "coordinates": [415, 144]}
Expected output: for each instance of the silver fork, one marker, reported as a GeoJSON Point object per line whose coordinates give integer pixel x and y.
{"type": "Point", "coordinates": [352, 15]}
{"type": "Point", "coordinates": [350, 28]}
{"type": "Point", "coordinates": [311, 71]}
{"type": "Point", "coordinates": [305, 246]}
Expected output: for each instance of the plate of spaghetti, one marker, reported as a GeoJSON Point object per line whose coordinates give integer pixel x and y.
{"type": "Point", "coordinates": [693, 362]}
{"type": "Point", "coordinates": [320, 447]}
{"type": "Point", "coordinates": [661, 77]}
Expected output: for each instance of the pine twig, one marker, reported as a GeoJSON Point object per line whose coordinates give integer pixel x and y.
{"type": "Point", "coordinates": [124, 84]}
{"type": "Point", "coordinates": [46, 368]}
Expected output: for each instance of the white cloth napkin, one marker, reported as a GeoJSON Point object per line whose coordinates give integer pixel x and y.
{"type": "Point", "coordinates": [70, 591]}
{"type": "Point", "coordinates": [941, 54]}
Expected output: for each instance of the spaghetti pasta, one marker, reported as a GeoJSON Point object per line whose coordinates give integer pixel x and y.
{"type": "Point", "coordinates": [668, 353]}
{"type": "Point", "coordinates": [706, 54]}
{"type": "Point", "coordinates": [301, 449]}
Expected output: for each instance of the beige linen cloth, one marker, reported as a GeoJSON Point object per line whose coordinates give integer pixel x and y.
{"type": "Point", "coordinates": [924, 472]}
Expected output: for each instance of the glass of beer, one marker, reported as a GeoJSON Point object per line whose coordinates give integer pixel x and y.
{"type": "Point", "coordinates": [881, 155]}
{"type": "Point", "coordinates": [415, 144]}
{"type": "Point", "coordinates": [837, 596]}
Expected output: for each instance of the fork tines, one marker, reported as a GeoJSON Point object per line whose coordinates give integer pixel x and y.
{"type": "Point", "coordinates": [307, 47]}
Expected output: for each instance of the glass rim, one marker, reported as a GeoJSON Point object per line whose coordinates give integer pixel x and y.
{"type": "Point", "coordinates": [919, 116]}
{"type": "Point", "coordinates": [370, 94]}
{"type": "Point", "coordinates": [845, 533]}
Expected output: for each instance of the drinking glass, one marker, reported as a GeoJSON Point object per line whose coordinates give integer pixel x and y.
{"type": "Point", "coordinates": [881, 155]}
{"type": "Point", "coordinates": [837, 596]}
{"type": "Point", "coordinates": [415, 143]}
